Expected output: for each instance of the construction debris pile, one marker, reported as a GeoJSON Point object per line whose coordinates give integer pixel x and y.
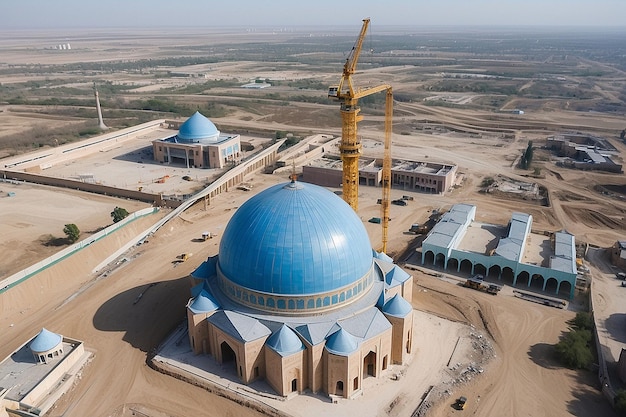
{"type": "Point", "coordinates": [482, 352]}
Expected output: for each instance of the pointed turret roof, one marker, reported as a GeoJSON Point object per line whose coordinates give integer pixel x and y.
{"type": "Point", "coordinates": [45, 341]}
{"type": "Point", "coordinates": [285, 341]}
{"type": "Point", "coordinates": [341, 343]}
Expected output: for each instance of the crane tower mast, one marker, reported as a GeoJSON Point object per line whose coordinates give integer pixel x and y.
{"type": "Point", "coordinates": [351, 147]}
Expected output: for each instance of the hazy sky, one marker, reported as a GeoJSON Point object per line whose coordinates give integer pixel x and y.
{"type": "Point", "coordinates": [150, 13]}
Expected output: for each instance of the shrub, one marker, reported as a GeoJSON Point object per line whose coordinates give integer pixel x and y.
{"type": "Point", "coordinates": [487, 182]}
{"type": "Point", "coordinates": [582, 321]}
{"type": "Point", "coordinates": [573, 349]}
{"type": "Point", "coordinates": [118, 214]}
{"type": "Point", "coordinates": [72, 232]}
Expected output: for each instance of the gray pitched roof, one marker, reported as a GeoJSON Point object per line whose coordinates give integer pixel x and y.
{"type": "Point", "coordinates": [512, 246]}
{"type": "Point", "coordinates": [315, 333]}
{"type": "Point", "coordinates": [243, 328]}
{"type": "Point", "coordinates": [564, 258]}
{"type": "Point", "coordinates": [367, 324]}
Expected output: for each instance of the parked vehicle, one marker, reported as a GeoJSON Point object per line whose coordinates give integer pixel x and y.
{"type": "Point", "coordinates": [460, 404]}
{"type": "Point", "coordinates": [476, 282]}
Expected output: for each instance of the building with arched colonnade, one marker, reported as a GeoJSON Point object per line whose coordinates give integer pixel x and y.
{"type": "Point", "coordinates": [513, 254]}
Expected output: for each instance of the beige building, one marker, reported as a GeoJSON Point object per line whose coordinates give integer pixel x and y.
{"type": "Point", "coordinates": [421, 176]}
{"type": "Point", "coordinates": [297, 297]}
{"type": "Point", "coordinates": [38, 373]}
{"type": "Point", "coordinates": [198, 144]}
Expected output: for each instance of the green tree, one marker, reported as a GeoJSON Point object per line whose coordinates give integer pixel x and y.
{"type": "Point", "coordinates": [118, 214]}
{"type": "Point", "coordinates": [582, 321]}
{"type": "Point", "coordinates": [72, 232]}
{"type": "Point", "coordinates": [573, 349]}
{"type": "Point", "coordinates": [620, 403]}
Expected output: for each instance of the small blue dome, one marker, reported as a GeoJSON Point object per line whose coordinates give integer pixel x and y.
{"type": "Point", "coordinates": [397, 306]}
{"type": "Point", "coordinates": [198, 128]}
{"type": "Point", "coordinates": [295, 239]}
{"type": "Point", "coordinates": [203, 303]}
{"type": "Point", "coordinates": [285, 341]}
{"type": "Point", "coordinates": [45, 341]}
{"type": "Point", "coordinates": [341, 343]}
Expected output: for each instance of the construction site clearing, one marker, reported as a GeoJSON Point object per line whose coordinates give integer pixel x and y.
{"type": "Point", "coordinates": [233, 198]}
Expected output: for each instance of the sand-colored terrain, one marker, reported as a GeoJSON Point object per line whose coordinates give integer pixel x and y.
{"type": "Point", "coordinates": [101, 312]}
{"type": "Point", "coordinates": [523, 380]}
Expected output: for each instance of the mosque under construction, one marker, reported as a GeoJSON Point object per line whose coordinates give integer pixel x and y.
{"type": "Point", "coordinates": [298, 297]}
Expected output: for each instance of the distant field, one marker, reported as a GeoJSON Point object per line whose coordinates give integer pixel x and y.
{"type": "Point", "coordinates": [46, 95]}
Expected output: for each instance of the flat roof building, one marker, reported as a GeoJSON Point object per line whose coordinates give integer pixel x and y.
{"type": "Point", "coordinates": [430, 177]}
{"type": "Point", "coordinates": [34, 376]}
{"type": "Point", "coordinates": [458, 243]}
{"type": "Point", "coordinates": [198, 144]}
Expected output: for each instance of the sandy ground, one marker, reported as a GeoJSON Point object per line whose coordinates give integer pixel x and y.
{"type": "Point", "coordinates": [101, 312]}
{"type": "Point", "coordinates": [33, 214]}
{"type": "Point", "coordinates": [523, 380]}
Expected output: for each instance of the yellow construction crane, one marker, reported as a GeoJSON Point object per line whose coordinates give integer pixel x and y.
{"type": "Point", "coordinates": [351, 148]}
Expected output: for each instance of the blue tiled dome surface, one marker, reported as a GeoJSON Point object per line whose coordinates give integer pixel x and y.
{"type": "Point", "coordinates": [45, 341]}
{"type": "Point", "coordinates": [295, 239]}
{"type": "Point", "coordinates": [197, 127]}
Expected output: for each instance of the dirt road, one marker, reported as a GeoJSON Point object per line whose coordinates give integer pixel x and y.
{"type": "Point", "coordinates": [525, 379]}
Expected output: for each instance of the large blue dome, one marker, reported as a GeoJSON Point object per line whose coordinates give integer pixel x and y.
{"type": "Point", "coordinates": [295, 239]}
{"type": "Point", "coordinates": [198, 129]}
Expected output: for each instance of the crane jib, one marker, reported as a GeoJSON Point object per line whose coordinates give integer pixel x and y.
{"type": "Point", "coordinates": [350, 147]}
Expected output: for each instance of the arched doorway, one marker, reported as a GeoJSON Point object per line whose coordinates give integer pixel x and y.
{"type": "Point", "coordinates": [565, 288]}
{"type": "Point", "coordinates": [480, 269]}
{"type": "Point", "coordinates": [429, 258]}
{"type": "Point", "coordinates": [522, 279]}
{"type": "Point", "coordinates": [228, 357]}
{"type": "Point", "coordinates": [453, 265]}
{"type": "Point", "coordinates": [494, 272]}
{"type": "Point", "coordinates": [466, 267]}
{"type": "Point", "coordinates": [536, 282]}
{"type": "Point", "coordinates": [507, 275]}
{"type": "Point", "coordinates": [440, 260]}
{"type": "Point", "coordinates": [551, 285]}
{"type": "Point", "coordinates": [339, 388]}
{"type": "Point", "coordinates": [369, 365]}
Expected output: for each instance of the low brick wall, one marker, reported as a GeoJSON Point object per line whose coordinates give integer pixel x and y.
{"type": "Point", "coordinates": [154, 199]}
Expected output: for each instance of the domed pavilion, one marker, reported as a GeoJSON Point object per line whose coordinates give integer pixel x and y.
{"type": "Point", "coordinates": [298, 297]}
{"type": "Point", "coordinates": [198, 144]}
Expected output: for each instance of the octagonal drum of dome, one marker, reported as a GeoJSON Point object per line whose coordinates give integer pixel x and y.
{"type": "Point", "coordinates": [295, 239]}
